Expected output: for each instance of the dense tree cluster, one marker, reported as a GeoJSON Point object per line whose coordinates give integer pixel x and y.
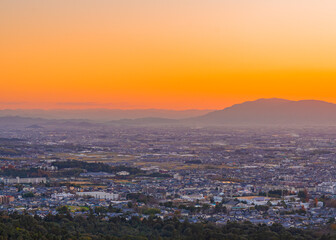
{"type": "Point", "coordinates": [29, 172]}
{"type": "Point", "coordinates": [95, 167]}
{"type": "Point", "coordinates": [140, 197]}
{"type": "Point", "coordinates": [193, 162]}
{"type": "Point", "coordinates": [63, 226]}
{"type": "Point", "coordinates": [74, 168]}
{"type": "Point", "coordinates": [275, 193]}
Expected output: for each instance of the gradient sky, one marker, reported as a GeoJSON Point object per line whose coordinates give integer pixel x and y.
{"type": "Point", "coordinates": [171, 54]}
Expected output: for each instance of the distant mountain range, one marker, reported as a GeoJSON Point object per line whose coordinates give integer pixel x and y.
{"type": "Point", "coordinates": [253, 113]}
{"type": "Point", "coordinates": [103, 115]}
{"type": "Point", "coordinates": [273, 112]}
{"type": "Point", "coordinates": [20, 123]}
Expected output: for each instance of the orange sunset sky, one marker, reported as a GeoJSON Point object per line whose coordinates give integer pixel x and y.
{"type": "Point", "coordinates": [169, 54]}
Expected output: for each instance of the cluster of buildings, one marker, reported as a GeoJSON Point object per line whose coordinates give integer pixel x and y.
{"type": "Point", "coordinates": [6, 199]}
{"type": "Point", "coordinates": [264, 175]}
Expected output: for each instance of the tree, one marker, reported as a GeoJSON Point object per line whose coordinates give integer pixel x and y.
{"type": "Point", "coordinates": [28, 195]}
{"type": "Point", "coordinates": [303, 195]}
{"type": "Point", "coordinates": [63, 210]}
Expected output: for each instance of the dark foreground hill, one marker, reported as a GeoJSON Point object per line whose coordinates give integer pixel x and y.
{"type": "Point", "coordinates": [64, 226]}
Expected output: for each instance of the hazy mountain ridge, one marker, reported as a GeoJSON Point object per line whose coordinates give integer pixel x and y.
{"type": "Point", "coordinates": [103, 115]}
{"type": "Point", "coordinates": [20, 123]}
{"type": "Point", "coordinates": [146, 121]}
{"type": "Point", "coordinates": [274, 111]}
{"type": "Point", "coordinates": [260, 112]}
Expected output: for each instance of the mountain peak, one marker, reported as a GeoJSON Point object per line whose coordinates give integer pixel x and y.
{"type": "Point", "coordinates": [270, 111]}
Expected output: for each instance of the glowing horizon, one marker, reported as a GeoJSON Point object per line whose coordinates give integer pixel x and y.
{"type": "Point", "coordinates": [114, 106]}
{"type": "Point", "coordinates": [164, 54]}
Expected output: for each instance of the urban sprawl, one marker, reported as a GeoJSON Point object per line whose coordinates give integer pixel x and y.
{"type": "Point", "coordinates": [261, 175]}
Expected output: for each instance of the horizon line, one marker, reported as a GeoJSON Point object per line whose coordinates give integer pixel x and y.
{"type": "Point", "coordinates": [7, 108]}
